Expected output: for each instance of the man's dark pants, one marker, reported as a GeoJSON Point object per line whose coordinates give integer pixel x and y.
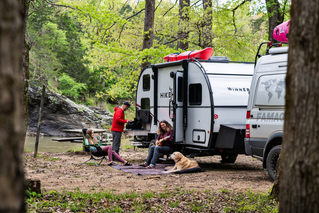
{"type": "Point", "coordinates": [116, 141]}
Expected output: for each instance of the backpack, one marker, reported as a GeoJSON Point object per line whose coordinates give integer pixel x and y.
{"type": "Point", "coordinates": [136, 124]}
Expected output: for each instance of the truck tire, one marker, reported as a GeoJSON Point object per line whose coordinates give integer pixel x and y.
{"type": "Point", "coordinates": [228, 158]}
{"type": "Point", "coordinates": [272, 160]}
{"type": "Point", "coordinates": [160, 154]}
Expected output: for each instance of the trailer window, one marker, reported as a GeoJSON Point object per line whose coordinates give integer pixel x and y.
{"type": "Point", "coordinates": [146, 82]}
{"type": "Point", "coordinates": [271, 90]}
{"type": "Point", "coordinates": [145, 103]}
{"type": "Point", "coordinates": [180, 89]}
{"type": "Point", "coordinates": [195, 94]}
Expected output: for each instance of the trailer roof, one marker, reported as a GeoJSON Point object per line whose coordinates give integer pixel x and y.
{"type": "Point", "coordinates": [228, 68]}
{"type": "Point", "coordinates": [233, 68]}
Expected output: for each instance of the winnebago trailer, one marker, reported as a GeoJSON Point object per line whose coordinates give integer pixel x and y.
{"type": "Point", "coordinates": [204, 101]}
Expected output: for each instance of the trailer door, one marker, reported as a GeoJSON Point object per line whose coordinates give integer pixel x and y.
{"type": "Point", "coordinates": [178, 107]}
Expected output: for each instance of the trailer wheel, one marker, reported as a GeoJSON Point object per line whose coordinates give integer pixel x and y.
{"type": "Point", "coordinates": [153, 142]}
{"type": "Point", "coordinates": [272, 161]}
{"type": "Point", "coordinates": [228, 158]}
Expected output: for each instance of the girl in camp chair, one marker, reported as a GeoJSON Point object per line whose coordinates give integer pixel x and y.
{"type": "Point", "coordinates": [90, 139]}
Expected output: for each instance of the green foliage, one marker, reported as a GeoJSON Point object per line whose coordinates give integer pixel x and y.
{"type": "Point", "coordinates": [224, 191]}
{"type": "Point", "coordinates": [187, 201]}
{"type": "Point", "coordinates": [99, 42]}
{"type": "Point", "coordinates": [252, 202]}
{"type": "Point", "coordinates": [71, 55]}
{"type": "Point", "coordinates": [55, 45]}
{"type": "Point", "coordinates": [70, 87]}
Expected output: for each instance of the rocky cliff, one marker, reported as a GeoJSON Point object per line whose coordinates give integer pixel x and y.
{"type": "Point", "coordinates": [61, 113]}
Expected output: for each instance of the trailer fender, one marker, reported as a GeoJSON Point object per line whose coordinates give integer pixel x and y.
{"type": "Point", "coordinates": [274, 140]}
{"type": "Point", "coordinates": [151, 136]}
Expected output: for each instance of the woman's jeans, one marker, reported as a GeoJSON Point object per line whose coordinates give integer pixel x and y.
{"type": "Point", "coordinates": [154, 152]}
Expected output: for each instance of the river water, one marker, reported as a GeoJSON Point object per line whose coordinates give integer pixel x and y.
{"type": "Point", "coordinates": [46, 144]}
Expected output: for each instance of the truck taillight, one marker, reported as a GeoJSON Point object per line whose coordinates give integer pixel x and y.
{"type": "Point", "coordinates": [248, 114]}
{"type": "Point", "coordinates": [247, 131]}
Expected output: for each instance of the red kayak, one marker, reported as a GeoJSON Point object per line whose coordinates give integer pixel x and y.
{"type": "Point", "coordinates": [204, 54]}
{"type": "Point", "coordinates": [281, 32]}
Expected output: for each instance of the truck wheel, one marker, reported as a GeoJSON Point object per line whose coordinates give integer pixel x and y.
{"type": "Point", "coordinates": [160, 154]}
{"type": "Point", "coordinates": [228, 158]}
{"type": "Point", "coordinates": [272, 160]}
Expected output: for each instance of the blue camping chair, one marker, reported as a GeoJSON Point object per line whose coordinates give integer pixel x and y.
{"type": "Point", "coordinates": [93, 155]}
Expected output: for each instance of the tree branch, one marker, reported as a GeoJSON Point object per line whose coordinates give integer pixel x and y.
{"type": "Point", "coordinates": [66, 6]}
{"type": "Point", "coordinates": [125, 23]}
{"type": "Point", "coordinates": [234, 23]}
{"type": "Point", "coordinates": [135, 14]}
{"type": "Point", "coordinates": [158, 5]}
{"type": "Point", "coordinates": [284, 9]}
{"type": "Point", "coordinates": [195, 3]}
{"type": "Point", "coordinates": [168, 42]}
{"type": "Point", "coordinates": [30, 13]}
{"type": "Point", "coordinates": [61, 5]}
{"type": "Point", "coordinates": [233, 10]}
{"type": "Point", "coordinates": [170, 8]}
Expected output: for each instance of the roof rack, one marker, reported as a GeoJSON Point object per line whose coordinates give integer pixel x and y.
{"type": "Point", "coordinates": [278, 50]}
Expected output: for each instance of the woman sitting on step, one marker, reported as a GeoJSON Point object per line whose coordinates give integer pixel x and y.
{"type": "Point", "coordinates": [164, 144]}
{"type": "Point", "coordinates": [90, 139]}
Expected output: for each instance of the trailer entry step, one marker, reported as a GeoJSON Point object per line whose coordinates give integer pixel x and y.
{"type": "Point", "coordinates": [197, 148]}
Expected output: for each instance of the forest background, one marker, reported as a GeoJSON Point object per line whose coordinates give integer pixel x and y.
{"type": "Point", "coordinates": [92, 51]}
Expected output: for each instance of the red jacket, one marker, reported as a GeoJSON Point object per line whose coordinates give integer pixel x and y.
{"type": "Point", "coordinates": [118, 120]}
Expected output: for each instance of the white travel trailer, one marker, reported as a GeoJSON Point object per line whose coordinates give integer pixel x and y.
{"type": "Point", "coordinates": [265, 111]}
{"type": "Point", "coordinates": [205, 101]}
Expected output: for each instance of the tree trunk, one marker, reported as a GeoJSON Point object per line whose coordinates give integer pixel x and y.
{"type": "Point", "coordinates": [184, 17]}
{"type": "Point", "coordinates": [11, 122]}
{"type": "Point", "coordinates": [25, 70]}
{"type": "Point", "coordinates": [207, 30]}
{"type": "Point", "coordinates": [299, 183]}
{"type": "Point", "coordinates": [275, 17]}
{"type": "Point", "coordinates": [148, 28]}
{"type": "Point", "coordinates": [274, 194]}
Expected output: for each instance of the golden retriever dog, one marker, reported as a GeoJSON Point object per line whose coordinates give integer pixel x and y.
{"type": "Point", "coordinates": [181, 163]}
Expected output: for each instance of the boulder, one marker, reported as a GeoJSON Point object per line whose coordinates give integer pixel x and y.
{"type": "Point", "coordinates": [61, 113]}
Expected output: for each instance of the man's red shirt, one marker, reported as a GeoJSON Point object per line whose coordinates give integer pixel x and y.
{"type": "Point", "coordinates": [118, 120]}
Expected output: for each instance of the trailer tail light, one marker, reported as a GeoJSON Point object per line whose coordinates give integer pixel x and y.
{"type": "Point", "coordinates": [248, 115]}
{"type": "Point", "coordinates": [247, 131]}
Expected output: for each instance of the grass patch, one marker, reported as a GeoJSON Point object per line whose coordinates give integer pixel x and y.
{"type": "Point", "coordinates": [126, 144]}
{"type": "Point", "coordinates": [224, 191]}
{"type": "Point", "coordinates": [75, 150]}
{"type": "Point", "coordinates": [170, 201]}
{"type": "Point", "coordinates": [47, 157]}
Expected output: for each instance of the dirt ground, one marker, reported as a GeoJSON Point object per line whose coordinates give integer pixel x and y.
{"type": "Point", "coordinates": [59, 171]}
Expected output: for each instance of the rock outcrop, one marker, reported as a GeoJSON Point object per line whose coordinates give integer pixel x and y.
{"type": "Point", "coordinates": [61, 113]}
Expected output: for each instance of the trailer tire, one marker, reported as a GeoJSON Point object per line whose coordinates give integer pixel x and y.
{"type": "Point", "coordinates": [228, 158]}
{"type": "Point", "coordinates": [272, 161]}
{"type": "Point", "coordinates": [153, 142]}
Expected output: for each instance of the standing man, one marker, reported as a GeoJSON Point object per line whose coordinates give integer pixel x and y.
{"type": "Point", "coordinates": [118, 125]}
